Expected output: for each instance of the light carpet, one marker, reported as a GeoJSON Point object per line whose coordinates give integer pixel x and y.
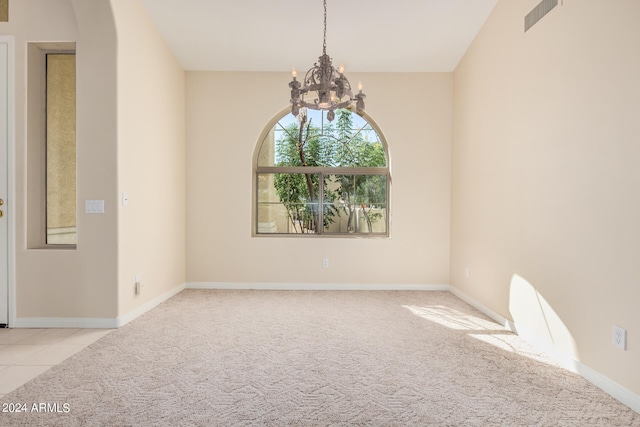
{"type": "Point", "coordinates": [313, 358]}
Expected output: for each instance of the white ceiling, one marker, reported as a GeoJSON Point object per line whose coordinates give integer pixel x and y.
{"type": "Point", "coordinates": [274, 35]}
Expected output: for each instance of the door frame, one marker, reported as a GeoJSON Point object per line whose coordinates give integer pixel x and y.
{"type": "Point", "coordinates": [10, 205]}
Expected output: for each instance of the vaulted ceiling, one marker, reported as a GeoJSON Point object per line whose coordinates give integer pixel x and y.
{"type": "Point", "coordinates": [274, 35]}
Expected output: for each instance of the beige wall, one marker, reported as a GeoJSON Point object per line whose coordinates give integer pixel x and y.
{"type": "Point", "coordinates": [151, 159]}
{"type": "Point", "coordinates": [130, 137]}
{"type": "Point", "coordinates": [226, 114]}
{"type": "Point", "coordinates": [70, 283]}
{"type": "Point", "coordinates": [545, 202]}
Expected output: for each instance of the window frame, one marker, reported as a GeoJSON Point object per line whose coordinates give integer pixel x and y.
{"type": "Point", "coordinates": [37, 114]}
{"type": "Point", "coordinates": [321, 171]}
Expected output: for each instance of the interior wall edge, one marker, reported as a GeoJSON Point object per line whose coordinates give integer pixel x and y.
{"type": "Point", "coordinates": [139, 311]}
{"type": "Point", "coordinates": [483, 308]}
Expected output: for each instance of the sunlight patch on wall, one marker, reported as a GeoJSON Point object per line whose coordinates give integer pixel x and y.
{"type": "Point", "coordinates": [535, 317]}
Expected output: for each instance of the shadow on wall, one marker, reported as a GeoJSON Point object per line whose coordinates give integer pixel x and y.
{"type": "Point", "coordinates": [538, 322]}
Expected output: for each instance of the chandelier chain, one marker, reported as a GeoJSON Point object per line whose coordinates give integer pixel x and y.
{"type": "Point", "coordinates": [324, 44]}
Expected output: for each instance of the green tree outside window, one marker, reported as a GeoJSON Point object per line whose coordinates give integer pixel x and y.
{"type": "Point", "coordinates": [329, 178]}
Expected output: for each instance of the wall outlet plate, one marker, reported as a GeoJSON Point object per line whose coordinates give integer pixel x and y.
{"type": "Point", "coordinates": [620, 337]}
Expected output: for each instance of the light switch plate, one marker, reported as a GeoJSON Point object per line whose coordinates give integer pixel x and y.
{"type": "Point", "coordinates": [94, 206]}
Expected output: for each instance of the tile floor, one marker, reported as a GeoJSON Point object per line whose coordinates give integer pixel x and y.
{"type": "Point", "coordinates": [26, 353]}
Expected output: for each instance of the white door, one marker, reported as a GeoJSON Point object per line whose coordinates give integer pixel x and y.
{"type": "Point", "coordinates": [4, 141]}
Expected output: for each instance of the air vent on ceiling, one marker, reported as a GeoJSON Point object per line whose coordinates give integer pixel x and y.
{"type": "Point", "coordinates": [538, 13]}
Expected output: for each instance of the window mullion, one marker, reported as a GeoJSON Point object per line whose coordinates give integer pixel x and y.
{"type": "Point", "coordinates": [325, 170]}
{"type": "Point", "coordinates": [320, 203]}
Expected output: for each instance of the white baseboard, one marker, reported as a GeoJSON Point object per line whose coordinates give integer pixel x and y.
{"type": "Point", "coordinates": [484, 309]}
{"type": "Point", "coordinates": [614, 389]}
{"type": "Point", "coordinates": [566, 361]}
{"type": "Point", "coordinates": [609, 386]}
{"type": "Point", "coordinates": [315, 286]}
{"type": "Point", "coordinates": [123, 320]}
{"type": "Point", "coordinates": [65, 322]}
{"type": "Point", "coordinates": [93, 323]}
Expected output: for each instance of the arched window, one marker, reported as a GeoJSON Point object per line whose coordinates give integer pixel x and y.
{"type": "Point", "coordinates": [314, 177]}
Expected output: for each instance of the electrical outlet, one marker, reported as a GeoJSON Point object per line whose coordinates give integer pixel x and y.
{"type": "Point", "coordinates": [138, 285]}
{"type": "Point", "coordinates": [620, 337]}
{"type": "Point", "coordinates": [466, 272]}
{"type": "Point", "coordinates": [325, 263]}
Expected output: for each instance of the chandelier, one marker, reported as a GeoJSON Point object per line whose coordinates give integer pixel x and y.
{"type": "Point", "coordinates": [332, 88]}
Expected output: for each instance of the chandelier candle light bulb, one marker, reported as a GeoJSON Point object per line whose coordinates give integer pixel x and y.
{"type": "Point", "coordinates": [332, 88]}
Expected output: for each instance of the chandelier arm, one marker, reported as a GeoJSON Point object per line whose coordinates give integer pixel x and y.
{"type": "Point", "coordinates": [343, 104]}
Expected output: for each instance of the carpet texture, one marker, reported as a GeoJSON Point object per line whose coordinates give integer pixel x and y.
{"type": "Point", "coordinates": [314, 358]}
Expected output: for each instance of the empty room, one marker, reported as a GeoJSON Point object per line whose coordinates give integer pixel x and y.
{"type": "Point", "coordinates": [328, 212]}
